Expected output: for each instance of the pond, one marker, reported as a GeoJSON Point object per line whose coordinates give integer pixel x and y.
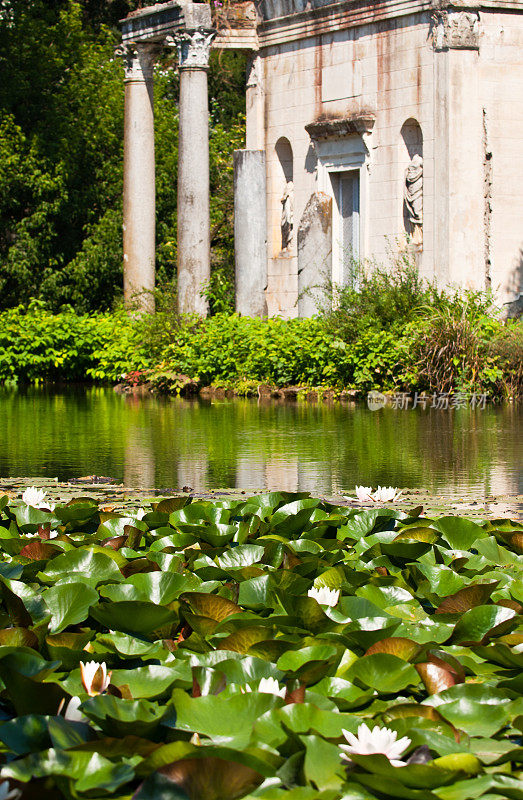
{"type": "Point", "coordinates": [323, 448]}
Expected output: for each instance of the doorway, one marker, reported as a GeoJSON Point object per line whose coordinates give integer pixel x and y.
{"type": "Point", "coordinates": [346, 228]}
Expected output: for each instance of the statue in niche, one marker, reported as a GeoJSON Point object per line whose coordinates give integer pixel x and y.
{"type": "Point", "coordinates": [413, 197]}
{"type": "Point", "coordinates": [287, 216]}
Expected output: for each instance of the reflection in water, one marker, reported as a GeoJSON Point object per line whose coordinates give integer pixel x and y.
{"type": "Point", "coordinates": [164, 442]}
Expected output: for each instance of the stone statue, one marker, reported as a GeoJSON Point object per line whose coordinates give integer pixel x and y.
{"type": "Point", "coordinates": [414, 197]}
{"type": "Point", "coordinates": [287, 216]}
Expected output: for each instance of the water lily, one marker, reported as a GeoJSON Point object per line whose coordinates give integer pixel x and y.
{"type": "Point", "coordinates": [140, 514]}
{"type": "Point", "coordinates": [377, 740]}
{"type": "Point", "coordinates": [72, 713]}
{"type": "Point", "coordinates": [95, 677]}
{"type": "Point", "coordinates": [325, 596]}
{"type": "Point", "coordinates": [267, 686]}
{"type": "Point", "coordinates": [35, 498]}
{"type": "Point", "coordinates": [364, 493]}
{"type": "Point", "coordinates": [9, 794]}
{"type": "Point", "coordinates": [386, 494]}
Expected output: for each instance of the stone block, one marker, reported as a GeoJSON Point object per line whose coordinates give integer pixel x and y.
{"type": "Point", "coordinates": [314, 251]}
{"type": "Point", "coordinates": [250, 232]}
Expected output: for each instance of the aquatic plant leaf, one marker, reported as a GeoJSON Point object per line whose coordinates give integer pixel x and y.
{"type": "Point", "coordinates": [459, 533]}
{"type": "Point", "coordinates": [474, 595]}
{"type": "Point", "coordinates": [397, 646]}
{"type": "Point", "coordinates": [212, 778]}
{"type": "Point", "coordinates": [136, 617]}
{"type": "Point", "coordinates": [480, 622]}
{"type": "Point", "coordinates": [384, 672]}
{"type": "Point", "coordinates": [84, 562]}
{"type": "Point", "coordinates": [68, 604]}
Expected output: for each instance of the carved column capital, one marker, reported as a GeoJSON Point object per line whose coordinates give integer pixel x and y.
{"type": "Point", "coordinates": [138, 60]}
{"type": "Point", "coordinates": [455, 30]}
{"type": "Point", "coordinates": [194, 47]}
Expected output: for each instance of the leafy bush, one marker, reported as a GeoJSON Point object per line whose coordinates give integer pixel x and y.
{"type": "Point", "coordinates": [449, 350]}
{"type": "Point", "coordinates": [232, 643]}
{"type": "Point", "coordinates": [451, 345]}
{"type": "Point", "coordinates": [379, 298]}
{"type": "Point", "coordinates": [274, 351]}
{"type": "Point", "coordinates": [507, 350]}
{"type": "Point", "coordinates": [38, 345]}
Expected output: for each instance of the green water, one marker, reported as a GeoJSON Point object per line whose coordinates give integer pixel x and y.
{"type": "Point", "coordinates": [169, 443]}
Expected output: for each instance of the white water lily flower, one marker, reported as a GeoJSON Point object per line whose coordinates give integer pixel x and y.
{"type": "Point", "coordinates": [271, 686]}
{"type": "Point", "coordinates": [35, 498]}
{"type": "Point", "coordinates": [267, 686]}
{"type": "Point", "coordinates": [325, 596]}
{"type": "Point", "coordinates": [72, 713]}
{"type": "Point", "coordinates": [385, 494]}
{"type": "Point", "coordinates": [364, 493]}
{"type": "Point", "coordinates": [140, 514]}
{"type": "Point", "coordinates": [95, 677]}
{"type": "Point", "coordinates": [9, 794]}
{"type": "Point", "coordinates": [377, 740]}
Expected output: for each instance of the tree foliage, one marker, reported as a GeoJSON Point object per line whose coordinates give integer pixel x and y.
{"type": "Point", "coordinates": [61, 149]}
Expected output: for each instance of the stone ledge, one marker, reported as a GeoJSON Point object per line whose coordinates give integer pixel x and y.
{"type": "Point", "coordinates": [341, 126]}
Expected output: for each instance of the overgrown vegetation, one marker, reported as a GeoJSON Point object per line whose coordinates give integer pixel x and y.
{"type": "Point", "coordinates": [203, 650]}
{"type": "Point", "coordinates": [455, 346]}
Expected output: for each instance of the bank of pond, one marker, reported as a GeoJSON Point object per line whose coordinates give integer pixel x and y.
{"type": "Point", "coordinates": [452, 352]}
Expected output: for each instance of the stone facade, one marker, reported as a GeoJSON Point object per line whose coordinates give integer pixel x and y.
{"type": "Point", "coordinates": [344, 97]}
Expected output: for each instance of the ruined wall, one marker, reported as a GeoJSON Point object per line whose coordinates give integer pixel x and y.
{"type": "Point", "coordinates": [385, 67]}
{"type": "Point", "coordinates": [456, 77]}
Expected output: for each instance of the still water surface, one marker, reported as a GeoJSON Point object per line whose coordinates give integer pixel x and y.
{"type": "Point", "coordinates": [168, 443]}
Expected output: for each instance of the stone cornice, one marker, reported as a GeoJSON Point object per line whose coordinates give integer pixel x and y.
{"type": "Point", "coordinates": [152, 23]}
{"type": "Point", "coordinates": [289, 20]}
{"type": "Point", "coordinates": [333, 17]}
{"type": "Point", "coordinates": [341, 126]}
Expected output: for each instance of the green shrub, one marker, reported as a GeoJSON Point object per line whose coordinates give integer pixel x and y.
{"type": "Point", "coordinates": [379, 298]}
{"type": "Point", "coordinates": [38, 345]}
{"type": "Point", "coordinates": [452, 345]}
{"type": "Point", "coordinates": [507, 349]}
{"type": "Point", "coordinates": [457, 348]}
{"type": "Point", "coordinates": [275, 351]}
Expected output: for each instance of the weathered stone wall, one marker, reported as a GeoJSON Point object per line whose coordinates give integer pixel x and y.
{"type": "Point", "coordinates": [501, 70]}
{"type": "Point", "coordinates": [385, 68]}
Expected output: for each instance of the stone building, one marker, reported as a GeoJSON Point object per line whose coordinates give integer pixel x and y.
{"type": "Point", "coordinates": [372, 125]}
{"type": "Point", "coordinates": [385, 124]}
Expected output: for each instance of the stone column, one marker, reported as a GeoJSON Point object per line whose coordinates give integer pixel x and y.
{"type": "Point", "coordinates": [139, 208]}
{"type": "Point", "coordinates": [250, 232]}
{"type": "Point", "coordinates": [194, 261]}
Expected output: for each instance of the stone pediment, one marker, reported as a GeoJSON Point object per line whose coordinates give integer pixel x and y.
{"type": "Point", "coordinates": [341, 126]}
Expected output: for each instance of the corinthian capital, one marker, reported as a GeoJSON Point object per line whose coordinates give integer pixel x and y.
{"type": "Point", "coordinates": [194, 47]}
{"type": "Point", "coordinates": [138, 60]}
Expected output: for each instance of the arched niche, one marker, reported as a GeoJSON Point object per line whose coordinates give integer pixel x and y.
{"type": "Point", "coordinates": [410, 162]}
{"type": "Point", "coordinates": [284, 153]}
{"type": "Point", "coordinates": [283, 189]}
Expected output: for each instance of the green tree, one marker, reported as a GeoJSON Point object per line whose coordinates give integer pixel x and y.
{"type": "Point", "coordinates": [61, 145]}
